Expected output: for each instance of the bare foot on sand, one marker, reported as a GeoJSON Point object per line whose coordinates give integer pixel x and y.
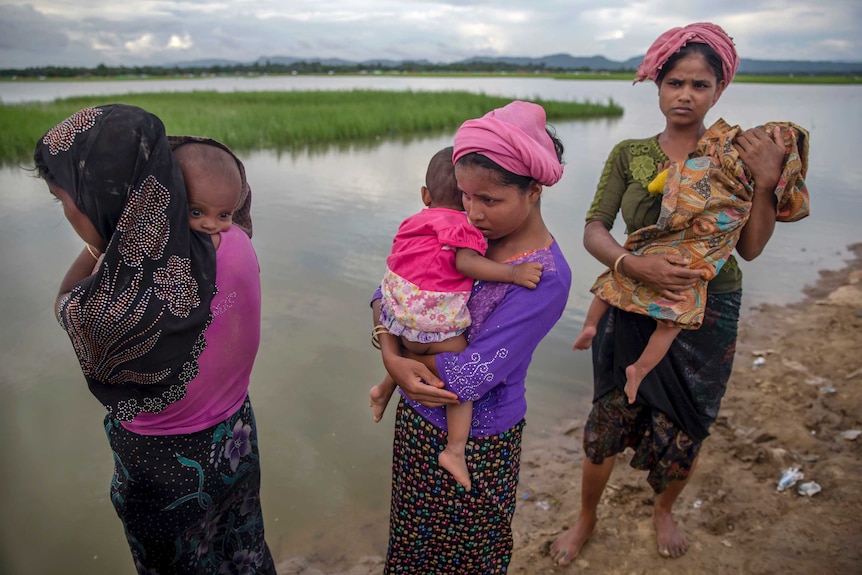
{"type": "Point", "coordinates": [670, 541]}
{"type": "Point", "coordinates": [634, 377]}
{"type": "Point", "coordinates": [585, 338]}
{"type": "Point", "coordinates": [456, 464]}
{"type": "Point", "coordinates": [568, 545]}
{"type": "Point", "coordinates": [380, 395]}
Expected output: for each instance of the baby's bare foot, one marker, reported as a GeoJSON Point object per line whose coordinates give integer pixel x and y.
{"type": "Point", "coordinates": [585, 338]}
{"type": "Point", "coordinates": [634, 377]}
{"type": "Point", "coordinates": [455, 464]}
{"type": "Point", "coordinates": [568, 545]}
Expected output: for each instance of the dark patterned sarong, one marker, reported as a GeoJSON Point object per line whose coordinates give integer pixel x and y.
{"type": "Point", "coordinates": [677, 401]}
{"type": "Point", "coordinates": [435, 526]}
{"type": "Point", "coordinates": [190, 504]}
{"type": "Point", "coordinates": [660, 446]}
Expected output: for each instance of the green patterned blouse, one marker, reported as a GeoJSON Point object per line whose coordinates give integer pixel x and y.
{"type": "Point", "coordinates": [622, 188]}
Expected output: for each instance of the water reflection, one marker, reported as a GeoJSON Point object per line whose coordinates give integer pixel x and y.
{"type": "Point", "coordinates": [324, 219]}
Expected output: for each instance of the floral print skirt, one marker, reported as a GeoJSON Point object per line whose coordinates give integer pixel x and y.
{"type": "Point", "coordinates": [191, 503]}
{"type": "Point", "coordinates": [435, 526]}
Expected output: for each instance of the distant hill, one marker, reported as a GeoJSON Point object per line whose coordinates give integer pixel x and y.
{"type": "Point", "coordinates": [747, 66]}
{"type": "Point", "coordinates": [798, 67]}
{"type": "Point", "coordinates": [552, 62]}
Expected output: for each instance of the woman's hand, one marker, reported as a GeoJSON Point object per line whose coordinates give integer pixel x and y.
{"type": "Point", "coordinates": [415, 378]}
{"type": "Point", "coordinates": [763, 155]}
{"type": "Point", "coordinates": [417, 381]}
{"type": "Point", "coordinates": [665, 273]}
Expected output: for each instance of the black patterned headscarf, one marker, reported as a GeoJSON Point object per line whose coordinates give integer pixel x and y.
{"type": "Point", "coordinates": [137, 324]}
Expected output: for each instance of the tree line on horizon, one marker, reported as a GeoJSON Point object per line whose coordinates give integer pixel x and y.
{"type": "Point", "coordinates": [471, 66]}
{"type": "Point", "coordinates": [104, 71]}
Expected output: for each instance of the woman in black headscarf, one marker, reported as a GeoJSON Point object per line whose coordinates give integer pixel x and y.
{"type": "Point", "coordinates": [136, 304]}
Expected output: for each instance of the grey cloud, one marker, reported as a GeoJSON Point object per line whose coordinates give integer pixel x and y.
{"type": "Point", "coordinates": [371, 29]}
{"type": "Point", "coordinates": [23, 28]}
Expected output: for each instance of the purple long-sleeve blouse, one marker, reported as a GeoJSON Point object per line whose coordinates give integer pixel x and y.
{"type": "Point", "coordinates": [508, 322]}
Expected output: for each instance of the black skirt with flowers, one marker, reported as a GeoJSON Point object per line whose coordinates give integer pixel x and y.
{"type": "Point", "coordinates": [435, 525]}
{"type": "Point", "coordinates": [191, 503]}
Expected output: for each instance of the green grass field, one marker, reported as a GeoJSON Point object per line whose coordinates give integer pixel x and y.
{"type": "Point", "coordinates": [282, 120]}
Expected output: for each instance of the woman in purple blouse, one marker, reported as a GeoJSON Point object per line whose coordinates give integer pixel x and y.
{"type": "Point", "coordinates": [502, 162]}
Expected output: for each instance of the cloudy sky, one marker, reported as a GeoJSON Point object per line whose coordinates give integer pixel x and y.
{"type": "Point", "coordinates": [136, 32]}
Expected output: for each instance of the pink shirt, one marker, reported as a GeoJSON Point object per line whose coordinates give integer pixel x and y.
{"type": "Point", "coordinates": [422, 251]}
{"type": "Point", "coordinates": [232, 340]}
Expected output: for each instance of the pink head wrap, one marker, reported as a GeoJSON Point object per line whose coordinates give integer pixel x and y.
{"type": "Point", "coordinates": [514, 137]}
{"type": "Point", "coordinates": [671, 41]}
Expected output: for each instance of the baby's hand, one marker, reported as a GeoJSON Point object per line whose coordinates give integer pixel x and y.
{"type": "Point", "coordinates": [527, 274]}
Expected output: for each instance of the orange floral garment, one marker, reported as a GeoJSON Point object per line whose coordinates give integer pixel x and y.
{"type": "Point", "coordinates": [705, 204]}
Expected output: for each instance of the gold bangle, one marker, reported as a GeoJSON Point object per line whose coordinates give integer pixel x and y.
{"type": "Point", "coordinates": [92, 253]}
{"type": "Point", "coordinates": [375, 335]}
{"type": "Point", "coordinates": [617, 263]}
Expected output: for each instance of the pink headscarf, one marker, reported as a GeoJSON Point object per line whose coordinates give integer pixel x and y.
{"type": "Point", "coordinates": [514, 137]}
{"type": "Point", "coordinates": [671, 41]}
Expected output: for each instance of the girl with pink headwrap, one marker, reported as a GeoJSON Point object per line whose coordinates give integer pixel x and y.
{"type": "Point", "coordinates": [734, 173]}
{"type": "Point", "coordinates": [503, 161]}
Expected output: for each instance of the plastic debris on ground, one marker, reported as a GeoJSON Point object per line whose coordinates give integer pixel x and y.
{"type": "Point", "coordinates": [850, 434]}
{"type": "Point", "coordinates": [809, 488]}
{"type": "Point", "coordinates": [789, 478]}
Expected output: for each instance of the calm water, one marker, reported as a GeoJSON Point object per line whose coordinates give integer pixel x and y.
{"type": "Point", "coordinates": [323, 226]}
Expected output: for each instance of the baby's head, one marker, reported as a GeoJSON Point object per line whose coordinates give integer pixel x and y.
{"type": "Point", "coordinates": [441, 189]}
{"type": "Point", "coordinates": [213, 184]}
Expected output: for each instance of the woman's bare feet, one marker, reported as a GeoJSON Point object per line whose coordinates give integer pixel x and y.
{"type": "Point", "coordinates": [585, 338]}
{"type": "Point", "coordinates": [634, 376]}
{"type": "Point", "coordinates": [670, 541]}
{"type": "Point", "coordinates": [456, 464]}
{"type": "Point", "coordinates": [567, 546]}
{"type": "Point", "coordinates": [380, 395]}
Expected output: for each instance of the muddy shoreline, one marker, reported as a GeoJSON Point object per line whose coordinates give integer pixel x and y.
{"type": "Point", "coordinates": [800, 406]}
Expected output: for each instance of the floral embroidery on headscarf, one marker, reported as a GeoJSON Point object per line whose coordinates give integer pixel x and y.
{"type": "Point", "coordinates": [137, 324]}
{"type": "Point", "coordinates": [176, 285]}
{"type": "Point", "coordinates": [145, 223]}
{"type": "Point", "coordinates": [61, 137]}
{"type": "Point", "coordinates": [97, 326]}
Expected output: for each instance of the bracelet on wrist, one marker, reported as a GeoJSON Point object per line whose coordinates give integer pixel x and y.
{"type": "Point", "coordinates": [376, 333]}
{"type": "Point", "coordinates": [93, 252]}
{"type": "Point", "coordinates": [618, 261]}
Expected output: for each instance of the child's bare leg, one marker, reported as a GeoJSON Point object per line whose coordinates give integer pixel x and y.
{"type": "Point", "coordinates": [588, 332]}
{"type": "Point", "coordinates": [458, 420]}
{"type": "Point", "coordinates": [656, 348]}
{"type": "Point", "coordinates": [380, 395]}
